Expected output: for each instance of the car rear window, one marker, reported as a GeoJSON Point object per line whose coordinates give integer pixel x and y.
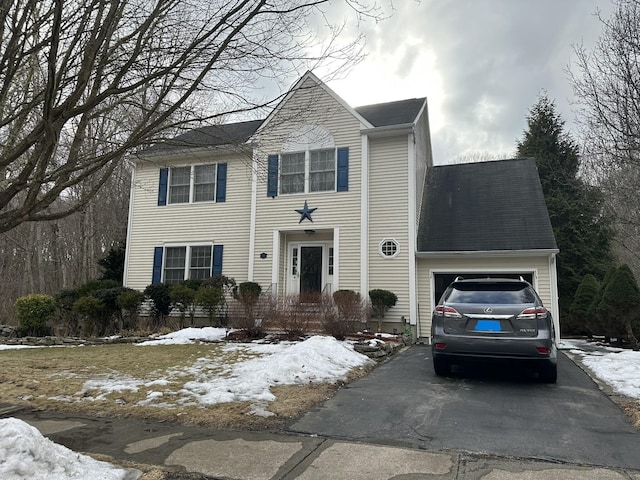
{"type": "Point", "coordinates": [492, 293]}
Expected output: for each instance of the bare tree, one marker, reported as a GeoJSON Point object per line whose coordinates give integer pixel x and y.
{"type": "Point", "coordinates": [607, 90]}
{"type": "Point", "coordinates": [70, 67]}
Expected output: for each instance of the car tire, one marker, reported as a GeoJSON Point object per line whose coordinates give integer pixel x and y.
{"type": "Point", "coordinates": [548, 373]}
{"type": "Point", "coordinates": [441, 366]}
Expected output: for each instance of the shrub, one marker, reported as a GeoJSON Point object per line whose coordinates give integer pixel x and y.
{"type": "Point", "coordinates": [34, 313]}
{"type": "Point", "coordinates": [381, 302]}
{"type": "Point", "coordinates": [211, 299]}
{"type": "Point", "coordinates": [93, 285]}
{"type": "Point", "coordinates": [247, 294]}
{"type": "Point", "coordinates": [92, 310]}
{"type": "Point", "coordinates": [158, 293]}
{"type": "Point", "coordinates": [183, 298]}
{"type": "Point", "coordinates": [342, 314]}
{"type": "Point", "coordinates": [129, 301]}
{"type": "Point", "coordinates": [292, 318]}
{"type": "Point", "coordinates": [68, 318]}
{"type": "Point", "coordinates": [253, 314]}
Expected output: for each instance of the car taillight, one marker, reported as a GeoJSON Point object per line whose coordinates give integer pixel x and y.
{"type": "Point", "coordinates": [533, 312]}
{"type": "Point", "coordinates": [448, 312]}
{"type": "Point", "coordinates": [543, 350]}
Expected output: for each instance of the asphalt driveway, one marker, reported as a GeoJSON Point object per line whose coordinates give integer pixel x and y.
{"type": "Point", "coordinates": [505, 412]}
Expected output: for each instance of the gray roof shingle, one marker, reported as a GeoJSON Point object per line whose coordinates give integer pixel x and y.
{"type": "Point", "coordinates": [211, 136]}
{"type": "Point", "coordinates": [392, 113]}
{"type": "Point", "coordinates": [484, 206]}
{"type": "Point", "coordinates": [379, 115]}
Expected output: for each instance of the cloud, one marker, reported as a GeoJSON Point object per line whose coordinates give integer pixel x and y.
{"type": "Point", "coordinates": [481, 63]}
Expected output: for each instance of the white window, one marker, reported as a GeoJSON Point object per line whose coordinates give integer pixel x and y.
{"type": "Point", "coordinates": [195, 183]}
{"type": "Point", "coordinates": [389, 248]}
{"type": "Point", "coordinates": [197, 258]}
{"type": "Point", "coordinates": [310, 171]}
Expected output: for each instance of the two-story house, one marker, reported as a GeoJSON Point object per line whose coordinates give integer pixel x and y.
{"type": "Point", "coordinates": [320, 196]}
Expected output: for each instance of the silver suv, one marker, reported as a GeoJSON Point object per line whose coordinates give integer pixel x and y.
{"type": "Point", "coordinates": [493, 318]}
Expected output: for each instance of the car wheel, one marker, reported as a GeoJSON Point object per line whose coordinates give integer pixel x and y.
{"type": "Point", "coordinates": [548, 374]}
{"type": "Point", "coordinates": [441, 366]}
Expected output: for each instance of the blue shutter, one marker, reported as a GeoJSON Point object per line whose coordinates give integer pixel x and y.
{"type": "Point", "coordinates": [157, 265]}
{"type": "Point", "coordinates": [343, 170]}
{"type": "Point", "coordinates": [216, 265]}
{"type": "Point", "coordinates": [272, 176]}
{"type": "Point", "coordinates": [221, 183]}
{"type": "Point", "coordinates": [162, 189]}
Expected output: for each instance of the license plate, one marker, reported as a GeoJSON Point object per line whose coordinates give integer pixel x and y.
{"type": "Point", "coordinates": [488, 326]}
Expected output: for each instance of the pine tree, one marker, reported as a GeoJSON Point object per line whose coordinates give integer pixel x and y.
{"type": "Point", "coordinates": [582, 231]}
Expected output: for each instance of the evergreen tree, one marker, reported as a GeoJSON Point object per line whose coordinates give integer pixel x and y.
{"type": "Point", "coordinates": [579, 318]}
{"type": "Point", "coordinates": [621, 298]}
{"type": "Point", "coordinates": [582, 231]}
{"type": "Point", "coordinates": [598, 316]}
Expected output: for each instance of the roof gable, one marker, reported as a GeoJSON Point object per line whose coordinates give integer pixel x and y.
{"type": "Point", "coordinates": [487, 206]}
{"type": "Point", "coordinates": [307, 81]}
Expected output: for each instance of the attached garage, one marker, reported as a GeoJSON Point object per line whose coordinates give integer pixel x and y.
{"type": "Point", "coordinates": [484, 219]}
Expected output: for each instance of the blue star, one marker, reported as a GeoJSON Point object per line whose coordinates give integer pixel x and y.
{"type": "Point", "coordinates": [306, 212]}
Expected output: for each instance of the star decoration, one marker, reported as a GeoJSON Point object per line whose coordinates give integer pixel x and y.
{"type": "Point", "coordinates": [305, 213]}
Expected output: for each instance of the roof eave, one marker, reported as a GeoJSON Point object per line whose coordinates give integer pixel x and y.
{"type": "Point", "coordinates": [538, 252]}
{"type": "Point", "coordinates": [192, 151]}
{"type": "Point", "coordinates": [387, 130]}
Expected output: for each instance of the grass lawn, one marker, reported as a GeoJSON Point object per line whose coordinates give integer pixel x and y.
{"type": "Point", "coordinates": [115, 380]}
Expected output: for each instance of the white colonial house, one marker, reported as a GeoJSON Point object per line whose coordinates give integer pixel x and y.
{"type": "Point", "coordinates": [320, 196]}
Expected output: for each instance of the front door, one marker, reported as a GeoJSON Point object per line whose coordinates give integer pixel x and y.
{"type": "Point", "coordinates": [310, 273]}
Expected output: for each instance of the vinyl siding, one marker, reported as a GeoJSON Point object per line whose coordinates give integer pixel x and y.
{"type": "Point", "coordinates": [225, 223]}
{"type": "Point", "coordinates": [461, 264]}
{"type": "Point", "coordinates": [309, 106]}
{"type": "Point", "coordinates": [388, 219]}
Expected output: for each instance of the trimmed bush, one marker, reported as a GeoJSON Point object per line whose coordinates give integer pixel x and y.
{"type": "Point", "coordinates": [129, 302]}
{"type": "Point", "coordinates": [158, 293]}
{"type": "Point", "coordinates": [92, 310]}
{"type": "Point", "coordinates": [183, 298]}
{"type": "Point", "coordinates": [211, 299]}
{"type": "Point", "coordinates": [381, 302]}
{"type": "Point", "coordinates": [34, 313]}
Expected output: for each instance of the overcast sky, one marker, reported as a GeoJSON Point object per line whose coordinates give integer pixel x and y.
{"type": "Point", "coordinates": [480, 63]}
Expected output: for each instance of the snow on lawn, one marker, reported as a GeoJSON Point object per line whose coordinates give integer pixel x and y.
{"type": "Point", "coordinates": [25, 453]}
{"type": "Point", "coordinates": [190, 335]}
{"type": "Point", "coordinates": [315, 360]}
{"type": "Point", "coordinates": [615, 366]}
{"type": "Point", "coordinates": [244, 371]}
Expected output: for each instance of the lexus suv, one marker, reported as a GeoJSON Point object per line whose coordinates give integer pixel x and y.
{"type": "Point", "coordinates": [493, 319]}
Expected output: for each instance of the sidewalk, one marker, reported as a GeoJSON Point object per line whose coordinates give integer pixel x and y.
{"type": "Point", "coordinates": [268, 456]}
